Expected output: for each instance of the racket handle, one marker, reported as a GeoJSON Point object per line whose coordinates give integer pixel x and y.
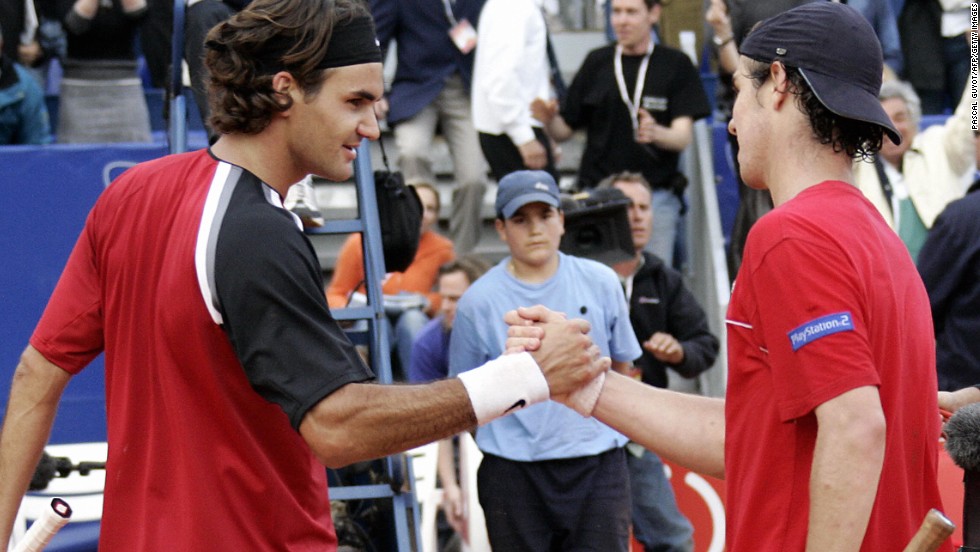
{"type": "Point", "coordinates": [45, 527]}
{"type": "Point", "coordinates": [933, 532]}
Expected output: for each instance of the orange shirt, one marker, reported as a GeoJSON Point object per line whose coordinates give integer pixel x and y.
{"type": "Point", "coordinates": [419, 277]}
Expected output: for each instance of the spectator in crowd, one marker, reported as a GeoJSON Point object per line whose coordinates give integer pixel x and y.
{"type": "Point", "coordinates": [156, 35]}
{"type": "Point", "coordinates": [936, 50]}
{"type": "Point", "coordinates": [827, 435]}
{"type": "Point", "coordinates": [23, 114]}
{"type": "Point", "coordinates": [637, 102]}
{"type": "Point", "coordinates": [19, 22]}
{"type": "Point", "coordinates": [569, 472]}
{"type": "Point", "coordinates": [910, 183]}
{"type": "Point", "coordinates": [949, 264]}
{"type": "Point", "coordinates": [885, 23]}
{"type": "Point", "coordinates": [511, 70]}
{"type": "Point", "coordinates": [430, 362]}
{"type": "Point", "coordinates": [101, 97]}
{"type": "Point", "coordinates": [431, 89]}
{"type": "Point", "coordinates": [200, 17]}
{"type": "Point", "coordinates": [409, 296]}
{"type": "Point", "coordinates": [673, 330]}
{"type": "Point", "coordinates": [228, 384]}
{"type": "Point", "coordinates": [430, 352]}
{"type": "Point", "coordinates": [730, 21]}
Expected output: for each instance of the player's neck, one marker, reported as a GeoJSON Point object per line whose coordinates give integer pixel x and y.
{"type": "Point", "coordinates": [800, 172]}
{"type": "Point", "coordinates": [254, 154]}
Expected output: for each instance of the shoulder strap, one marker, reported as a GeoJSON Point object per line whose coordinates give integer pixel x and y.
{"type": "Point", "coordinates": [886, 184]}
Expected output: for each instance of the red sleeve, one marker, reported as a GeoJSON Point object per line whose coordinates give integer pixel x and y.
{"type": "Point", "coordinates": [813, 324]}
{"type": "Point", "coordinates": [70, 332]}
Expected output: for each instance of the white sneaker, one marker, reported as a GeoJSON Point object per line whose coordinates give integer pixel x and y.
{"type": "Point", "coordinates": [301, 199]}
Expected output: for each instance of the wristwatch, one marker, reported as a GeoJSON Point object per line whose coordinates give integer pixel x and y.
{"type": "Point", "coordinates": [719, 41]}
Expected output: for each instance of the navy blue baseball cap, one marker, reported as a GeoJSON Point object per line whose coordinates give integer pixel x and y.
{"type": "Point", "coordinates": [836, 51]}
{"type": "Point", "coordinates": [519, 188]}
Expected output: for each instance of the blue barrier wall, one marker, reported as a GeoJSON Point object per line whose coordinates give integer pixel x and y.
{"type": "Point", "coordinates": [48, 192]}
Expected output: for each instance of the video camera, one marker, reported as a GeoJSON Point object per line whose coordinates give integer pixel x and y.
{"type": "Point", "coordinates": [597, 226]}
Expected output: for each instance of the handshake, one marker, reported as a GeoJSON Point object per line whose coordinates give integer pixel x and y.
{"type": "Point", "coordinates": [568, 359]}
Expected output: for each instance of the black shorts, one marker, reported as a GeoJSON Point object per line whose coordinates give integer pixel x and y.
{"type": "Point", "coordinates": [573, 504]}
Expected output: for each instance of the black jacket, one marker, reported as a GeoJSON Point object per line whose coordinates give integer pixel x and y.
{"type": "Point", "coordinates": [661, 303]}
{"type": "Point", "coordinates": [949, 264]}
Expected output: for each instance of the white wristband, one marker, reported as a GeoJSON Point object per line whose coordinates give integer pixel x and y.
{"type": "Point", "coordinates": [583, 399]}
{"type": "Point", "coordinates": [504, 385]}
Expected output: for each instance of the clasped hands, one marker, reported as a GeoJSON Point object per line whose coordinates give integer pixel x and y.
{"type": "Point", "coordinates": [571, 363]}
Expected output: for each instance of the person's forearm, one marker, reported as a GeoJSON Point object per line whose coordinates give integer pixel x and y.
{"type": "Point", "coordinates": [721, 25]}
{"type": "Point", "coordinates": [687, 429]}
{"type": "Point", "coordinates": [728, 57]}
{"type": "Point", "coordinates": [558, 129]}
{"type": "Point", "coordinates": [364, 421]}
{"type": "Point", "coordinates": [446, 463]}
{"type": "Point", "coordinates": [677, 136]}
{"type": "Point", "coordinates": [847, 462]}
{"type": "Point", "coordinates": [953, 401]}
{"type": "Point", "coordinates": [452, 499]}
{"type": "Point", "coordinates": [959, 139]}
{"type": "Point", "coordinates": [34, 395]}
{"type": "Point", "coordinates": [699, 354]}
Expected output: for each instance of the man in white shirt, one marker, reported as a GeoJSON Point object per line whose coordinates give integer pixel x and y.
{"type": "Point", "coordinates": [510, 71]}
{"type": "Point", "coordinates": [912, 183]}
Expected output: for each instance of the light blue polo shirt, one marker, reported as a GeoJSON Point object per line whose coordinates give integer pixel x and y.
{"type": "Point", "coordinates": [581, 288]}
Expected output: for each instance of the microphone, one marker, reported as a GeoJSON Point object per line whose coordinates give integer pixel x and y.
{"type": "Point", "coordinates": [962, 433]}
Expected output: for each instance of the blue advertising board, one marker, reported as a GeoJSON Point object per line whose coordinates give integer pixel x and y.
{"type": "Point", "coordinates": [47, 194]}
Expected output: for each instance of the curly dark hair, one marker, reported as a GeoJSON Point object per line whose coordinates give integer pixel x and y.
{"type": "Point", "coordinates": [859, 139]}
{"type": "Point", "coordinates": [240, 92]}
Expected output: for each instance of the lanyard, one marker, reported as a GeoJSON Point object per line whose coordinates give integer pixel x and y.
{"type": "Point", "coordinates": [632, 105]}
{"type": "Point", "coordinates": [449, 12]}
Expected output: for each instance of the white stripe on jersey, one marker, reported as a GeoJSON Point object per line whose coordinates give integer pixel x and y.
{"type": "Point", "coordinates": [204, 235]}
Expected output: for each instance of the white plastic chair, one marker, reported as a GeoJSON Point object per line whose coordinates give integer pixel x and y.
{"type": "Point", "coordinates": [425, 460]}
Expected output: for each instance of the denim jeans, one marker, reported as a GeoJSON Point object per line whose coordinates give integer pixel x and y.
{"type": "Point", "coordinates": [657, 523]}
{"type": "Point", "coordinates": [408, 324]}
{"type": "Point", "coordinates": [666, 208]}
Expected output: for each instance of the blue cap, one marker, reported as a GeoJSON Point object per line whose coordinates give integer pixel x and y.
{"type": "Point", "coordinates": [519, 188]}
{"type": "Point", "coordinates": [836, 51]}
